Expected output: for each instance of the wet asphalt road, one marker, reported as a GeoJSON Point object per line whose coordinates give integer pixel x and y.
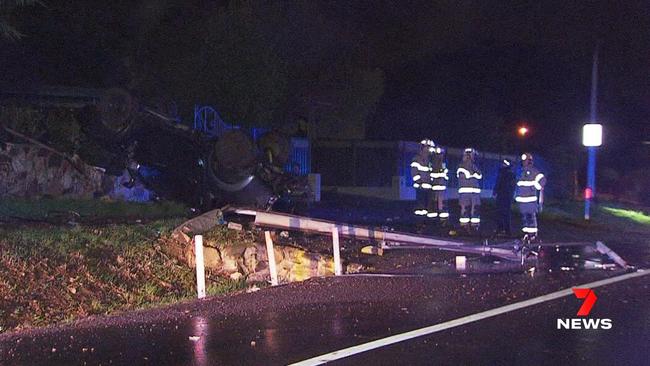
{"type": "Point", "coordinates": [301, 320]}
{"type": "Point", "coordinates": [530, 336]}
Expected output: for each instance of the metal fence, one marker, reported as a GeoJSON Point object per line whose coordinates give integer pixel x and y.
{"type": "Point", "coordinates": [356, 163]}
{"type": "Point", "coordinates": [374, 163]}
{"type": "Point", "coordinates": [301, 155]}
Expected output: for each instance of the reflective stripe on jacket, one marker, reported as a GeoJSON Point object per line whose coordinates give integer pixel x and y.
{"type": "Point", "coordinates": [420, 171]}
{"type": "Point", "coordinates": [440, 177]}
{"type": "Point", "coordinates": [469, 178]}
{"type": "Point", "coordinates": [529, 183]}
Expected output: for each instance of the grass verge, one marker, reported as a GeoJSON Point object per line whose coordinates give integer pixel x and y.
{"type": "Point", "coordinates": [56, 273]}
{"type": "Point", "coordinates": [64, 210]}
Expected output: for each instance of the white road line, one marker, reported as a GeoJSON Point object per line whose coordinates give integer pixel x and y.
{"type": "Point", "coordinates": [346, 352]}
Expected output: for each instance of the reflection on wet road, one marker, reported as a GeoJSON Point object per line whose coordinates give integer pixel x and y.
{"type": "Point", "coordinates": [200, 336]}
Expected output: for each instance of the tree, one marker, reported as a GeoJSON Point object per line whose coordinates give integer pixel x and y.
{"type": "Point", "coordinates": [349, 96]}
{"type": "Point", "coordinates": [7, 8]}
{"type": "Point", "coordinates": [331, 81]}
{"type": "Point", "coordinates": [260, 63]}
{"type": "Point", "coordinates": [227, 62]}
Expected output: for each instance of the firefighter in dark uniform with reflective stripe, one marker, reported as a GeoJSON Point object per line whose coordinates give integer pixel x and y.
{"type": "Point", "coordinates": [439, 180]}
{"type": "Point", "coordinates": [420, 171]}
{"type": "Point", "coordinates": [469, 190]}
{"type": "Point", "coordinates": [530, 196]}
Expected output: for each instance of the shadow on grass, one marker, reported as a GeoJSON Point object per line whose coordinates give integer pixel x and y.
{"type": "Point", "coordinates": [87, 210]}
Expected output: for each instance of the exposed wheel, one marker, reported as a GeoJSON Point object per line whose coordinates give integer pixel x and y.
{"type": "Point", "coordinates": [117, 109]}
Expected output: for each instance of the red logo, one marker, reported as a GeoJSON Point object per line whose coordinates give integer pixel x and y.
{"type": "Point", "coordinates": [590, 300]}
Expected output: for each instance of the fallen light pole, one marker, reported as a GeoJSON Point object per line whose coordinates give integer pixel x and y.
{"type": "Point", "coordinates": [503, 253]}
{"type": "Point", "coordinates": [604, 249]}
{"type": "Point", "coordinates": [200, 266]}
{"type": "Point", "coordinates": [389, 240]}
{"type": "Point", "coordinates": [307, 224]}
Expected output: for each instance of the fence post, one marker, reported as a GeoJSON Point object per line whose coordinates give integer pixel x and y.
{"type": "Point", "coordinates": [271, 256]}
{"type": "Point", "coordinates": [337, 251]}
{"type": "Point", "coordinates": [200, 266]}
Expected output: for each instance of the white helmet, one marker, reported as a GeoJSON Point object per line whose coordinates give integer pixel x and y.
{"type": "Point", "coordinates": [428, 143]}
{"type": "Point", "coordinates": [470, 151]}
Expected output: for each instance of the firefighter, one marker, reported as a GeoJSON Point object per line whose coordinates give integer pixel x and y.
{"type": "Point", "coordinates": [530, 196]}
{"type": "Point", "coordinates": [469, 190]}
{"type": "Point", "coordinates": [439, 179]}
{"type": "Point", "coordinates": [503, 192]}
{"type": "Point", "coordinates": [420, 171]}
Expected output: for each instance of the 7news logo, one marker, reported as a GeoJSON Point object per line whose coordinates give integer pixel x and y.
{"type": "Point", "coordinates": [590, 298]}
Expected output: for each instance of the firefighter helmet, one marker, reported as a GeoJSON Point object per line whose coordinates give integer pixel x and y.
{"type": "Point", "coordinates": [470, 151]}
{"type": "Point", "coordinates": [527, 159]}
{"type": "Point", "coordinates": [469, 154]}
{"type": "Point", "coordinates": [428, 143]}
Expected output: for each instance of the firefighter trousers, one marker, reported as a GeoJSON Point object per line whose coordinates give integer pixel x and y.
{"type": "Point", "coordinates": [424, 200]}
{"type": "Point", "coordinates": [528, 217]}
{"type": "Point", "coordinates": [470, 209]}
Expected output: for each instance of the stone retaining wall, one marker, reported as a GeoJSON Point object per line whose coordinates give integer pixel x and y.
{"type": "Point", "coordinates": [31, 171]}
{"type": "Point", "coordinates": [248, 259]}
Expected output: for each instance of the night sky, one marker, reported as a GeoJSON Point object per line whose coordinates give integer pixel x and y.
{"type": "Point", "coordinates": [450, 66]}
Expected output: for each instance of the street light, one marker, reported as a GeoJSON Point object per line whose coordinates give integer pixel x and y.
{"type": "Point", "coordinates": [522, 131]}
{"type": "Point", "coordinates": [592, 137]}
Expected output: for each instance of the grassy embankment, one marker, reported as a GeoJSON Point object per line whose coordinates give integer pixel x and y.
{"type": "Point", "coordinates": [62, 260]}
{"type": "Point", "coordinates": [610, 222]}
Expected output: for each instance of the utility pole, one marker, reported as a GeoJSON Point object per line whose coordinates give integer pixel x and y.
{"type": "Point", "coordinates": [590, 191]}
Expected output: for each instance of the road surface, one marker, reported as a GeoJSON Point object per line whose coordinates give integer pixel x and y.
{"type": "Point", "coordinates": [302, 321]}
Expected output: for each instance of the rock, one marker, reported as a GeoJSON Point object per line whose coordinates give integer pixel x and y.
{"type": "Point", "coordinates": [325, 267]}
{"type": "Point", "coordinates": [211, 258]}
{"type": "Point", "coordinates": [230, 258]}
{"type": "Point", "coordinates": [250, 262]}
{"type": "Point", "coordinates": [252, 289]}
{"type": "Point", "coordinates": [280, 253]}
{"type": "Point", "coordinates": [235, 226]}
{"type": "Point", "coordinates": [259, 276]}
{"type": "Point", "coordinates": [250, 259]}
{"type": "Point", "coordinates": [353, 268]}
{"type": "Point", "coordinates": [201, 223]}
{"type": "Point", "coordinates": [30, 171]}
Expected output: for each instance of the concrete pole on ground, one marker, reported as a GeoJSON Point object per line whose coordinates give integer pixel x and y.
{"type": "Point", "coordinates": [337, 251]}
{"type": "Point", "coordinates": [271, 256]}
{"type": "Point", "coordinates": [200, 266]}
